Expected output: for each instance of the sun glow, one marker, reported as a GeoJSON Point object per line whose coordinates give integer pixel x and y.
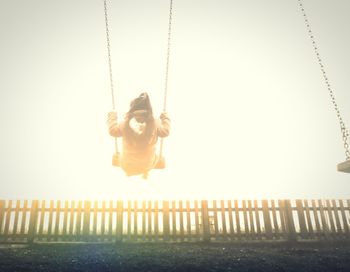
{"type": "Point", "coordinates": [250, 115]}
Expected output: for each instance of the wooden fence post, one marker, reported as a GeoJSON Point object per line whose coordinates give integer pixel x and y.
{"type": "Point", "coordinates": [188, 220]}
{"type": "Point", "coordinates": [238, 220]}
{"type": "Point", "coordinates": [325, 227]}
{"type": "Point", "coordinates": [290, 227]}
{"type": "Point", "coordinates": [33, 221]}
{"type": "Point", "coordinates": [86, 221]}
{"type": "Point", "coordinates": [8, 219]}
{"type": "Point", "coordinates": [166, 227]}
{"type": "Point", "coordinates": [301, 218]}
{"type": "Point", "coordinates": [129, 221]}
{"type": "Point", "coordinates": [196, 219]}
{"type": "Point", "coordinates": [181, 214]}
{"type": "Point", "coordinates": [276, 232]}
{"type": "Point", "coordinates": [119, 221]}
{"type": "Point", "coordinates": [215, 217]}
{"type": "Point", "coordinates": [2, 213]}
{"type": "Point", "coordinates": [135, 234]}
{"type": "Point", "coordinates": [65, 220]}
{"type": "Point", "coordinates": [57, 221]}
{"type": "Point", "coordinates": [310, 229]}
{"type": "Point", "coordinates": [173, 212]}
{"type": "Point", "coordinates": [345, 222]}
{"type": "Point", "coordinates": [78, 222]}
{"type": "Point", "coordinates": [223, 220]}
{"type": "Point", "coordinates": [156, 221]}
{"type": "Point", "coordinates": [267, 219]}
{"type": "Point", "coordinates": [205, 221]}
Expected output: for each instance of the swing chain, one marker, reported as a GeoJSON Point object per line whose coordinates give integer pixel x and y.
{"type": "Point", "coordinates": [343, 129]}
{"type": "Point", "coordinates": [109, 54]}
{"type": "Point", "coordinates": [110, 67]}
{"type": "Point", "coordinates": [167, 69]}
{"type": "Point", "coordinates": [168, 56]}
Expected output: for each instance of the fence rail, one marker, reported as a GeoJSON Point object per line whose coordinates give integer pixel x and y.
{"type": "Point", "coordinates": [178, 221]}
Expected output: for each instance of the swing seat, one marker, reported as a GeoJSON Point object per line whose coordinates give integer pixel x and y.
{"type": "Point", "coordinates": [344, 166]}
{"type": "Point", "coordinates": [116, 161]}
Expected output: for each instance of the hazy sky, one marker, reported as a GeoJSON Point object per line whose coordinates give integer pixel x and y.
{"type": "Point", "coordinates": [251, 116]}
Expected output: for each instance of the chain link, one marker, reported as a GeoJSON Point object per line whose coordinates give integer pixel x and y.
{"type": "Point", "coordinates": [168, 56]}
{"type": "Point", "coordinates": [110, 68]}
{"type": "Point", "coordinates": [109, 55]}
{"type": "Point", "coordinates": [167, 70]}
{"type": "Point", "coordinates": [344, 131]}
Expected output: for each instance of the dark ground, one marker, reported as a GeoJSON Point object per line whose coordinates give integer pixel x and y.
{"type": "Point", "coordinates": [176, 257]}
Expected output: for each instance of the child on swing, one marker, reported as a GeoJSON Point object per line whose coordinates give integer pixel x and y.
{"type": "Point", "coordinates": [140, 132]}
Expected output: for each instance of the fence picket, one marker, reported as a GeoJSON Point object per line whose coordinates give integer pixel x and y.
{"type": "Point", "coordinates": [156, 221]}
{"type": "Point", "coordinates": [196, 220]}
{"type": "Point", "coordinates": [24, 217]}
{"type": "Point", "coordinates": [257, 219]}
{"type": "Point", "coordinates": [251, 220]}
{"type": "Point", "coordinates": [345, 220]}
{"type": "Point", "coordinates": [49, 229]}
{"type": "Point", "coordinates": [230, 219]}
{"type": "Point", "coordinates": [110, 221]}
{"type": "Point", "coordinates": [94, 228]}
{"type": "Point", "coordinates": [143, 220]}
{"type": "Point", "coordinates": [2, 215]}
{"type": "Point", "coordinates": [57, 220]}
{"type": "Point", "coordinates": [267, 219]}
{"type": "Point", "coordinates": [120, 209]}
{"type": "Point", "coordinates": [173, 212]}
{"type": "Point", "coordinates": [188, 220]}
{"type": "Point", "coordinates": [129, 221]}
{"type": "Point", "coordinates": [8, 218]}
{"type": "Point", "coordinates": [182, 231]}
{"type": "Point", "coordinates": [42, 220]}
{"type": "Point", "coordinates": [336, 215]}
{"type": "Point", "coordinates": [166, 224]}
{"type": "Point", "coordinates": [216, 225]}
{"type": "Point", "coordinates": [205, 221]}
{"type": "Point", "coordinates": [32, 221]}
{"type": "Point", "coordinates": [310, 229]}
{"type": "Point", "coordinates": [276, 229]}
{"type": "Point", "coordinates": [245, 216]}
{"type": "Point", "coordinates": [282, 218]}
{"type": "Point", "coordinates": [301, 218]}
{"type": "Point", "coordinates": [71, 220]}
{"type": "Point", "coordinates": [316, 218]}
{"type": "Point", "coordinates": [149, 212]}
{"type": "Point", "coordinates": [238, 220]}
{"type": "Point", "coordinates": [135, 235]}
{"type": "Point", "coordinates": [290, 227]}
{"type": "Point", "coordinates": [325, 228]}
{"type": "Point", "coordinates": [65, 220]}
{"type": "Point", "coordinates": [86, 221]}
{"type": "Point", "coordinates": [15, 224]}
{"type": "Point", "coordinates": [330, 216]}
{"type": "Point", "coordinates": [78, 221]}
{"type": "Point", "coordinates": [223, 220]}
{"type": "Point", "coordinates": [103, 220]}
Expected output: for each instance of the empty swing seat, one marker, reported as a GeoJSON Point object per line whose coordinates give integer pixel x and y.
{"type": "Point", "coordinates": [344, 166]}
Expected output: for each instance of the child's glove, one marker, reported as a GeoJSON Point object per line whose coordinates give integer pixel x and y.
{"type": "Point", "coordinates": [112, 117]}
{"type": "Point", "coordinates": [164, 116]}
